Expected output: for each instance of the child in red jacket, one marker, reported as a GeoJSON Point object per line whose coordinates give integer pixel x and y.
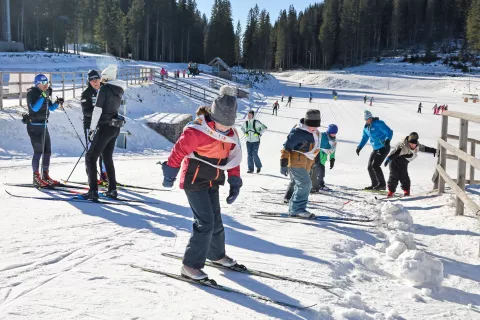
{"type": "Point", "coordinates": [207, 147]}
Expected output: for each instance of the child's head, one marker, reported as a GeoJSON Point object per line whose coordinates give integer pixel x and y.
{"type": "Point", "coordinates": [412, 140]}
{"type": "Point", "coordinates": [224, 108]}
{"type": "Point", "coordinates": [332, 130]}
{"type": "Point", "coordinates": [312, 120]}
{"type": "Point", "coordinates": [251, 114]}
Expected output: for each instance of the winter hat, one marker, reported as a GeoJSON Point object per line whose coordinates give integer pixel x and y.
{"type": "Point", "coordinates": [110, 72]}
{"type": "Point", "coordinates": [413, 138]}
{"type": "Point", "coordinates": [224, 108]}
{"type": "Point", "coordinates": [332, 129]}
{"type": "Point", "coordinates": [367, 115]}
{"type": "Point", "coordinates": [39, 78]}
{"type": "Point", "coordinates": [312, 118]}
{"type": "Point", "coordinates": [93, 75]}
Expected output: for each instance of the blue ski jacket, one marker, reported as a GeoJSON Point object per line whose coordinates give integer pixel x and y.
{"type": "Point", "coordinates": [378, 132]}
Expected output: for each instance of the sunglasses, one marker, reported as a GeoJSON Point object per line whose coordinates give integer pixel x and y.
{"type": "Point", "coordinates": [44, 82]}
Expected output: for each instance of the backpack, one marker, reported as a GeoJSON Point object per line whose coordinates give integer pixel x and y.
{"type": "Point", "coordinates": [254, 126]}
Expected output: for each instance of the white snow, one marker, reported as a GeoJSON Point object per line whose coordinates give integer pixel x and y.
{"type": "Point", "coordinates": [417, 260]}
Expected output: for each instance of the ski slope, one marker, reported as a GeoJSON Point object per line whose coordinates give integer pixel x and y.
{"type": "Point", "coordinates": [72, 260]}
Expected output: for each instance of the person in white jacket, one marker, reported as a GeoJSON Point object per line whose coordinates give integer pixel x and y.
{"type": "Point", "coordinates": [253, 130]}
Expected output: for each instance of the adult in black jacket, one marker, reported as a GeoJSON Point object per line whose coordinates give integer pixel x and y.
{"type": "Point", "coordinates": [39, 106]}
{"type": "Point", "coordinates": [88, 99]}
{"type": "Point", "coordinates": [104, 130]}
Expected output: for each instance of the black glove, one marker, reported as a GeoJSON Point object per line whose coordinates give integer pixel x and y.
{"type": "Point", "coordinates": [284, 167]}
{"type": "Point", "coordinates": [91, 135]}
{"type": "Point", "coordinates": [387, 161]}
{"type": "Point", "coordinates": [169, 175]}
{"type": "Point", "coordinates": [59, 101]}
{"type": "Point", "coordinates": [49, 91]}
{"type": "Point", "coordinates": [387, 144]}
{"type": "Point", "coordinates": [358, 151]}
{"type": "Point", "coordinates": [332, 163]}
{"type": "Point", "coordinates": [235, 185]}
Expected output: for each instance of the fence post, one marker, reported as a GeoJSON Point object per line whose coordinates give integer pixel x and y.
{"type": "Point", "coordinates": [472, 168]}
{"type": "Point", "coordinates": [1, 91]}
{"type": "Point", "coordinates": [462, 165]}
{"type": "Point", "coordinates": [20, 87]}
{"type": "Point", "coordinates": [74, 84]}
{"type": "Point", "coordinates": [443, 154]}
{"type": "Point", "coordinates": [63, 85]}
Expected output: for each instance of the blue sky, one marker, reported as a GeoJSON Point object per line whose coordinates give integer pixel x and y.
{"type": "Point", "coordinates": [240, 8]}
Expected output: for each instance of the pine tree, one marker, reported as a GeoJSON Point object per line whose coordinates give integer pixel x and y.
{"type": "Point", "coordinates": [135, 18]}
{"type": "Point", "coordinates": [473, 26]}
{"type": "Point", "coordinates": [238, 39]}
{"type": "Point", "coordinates": [329, 32]}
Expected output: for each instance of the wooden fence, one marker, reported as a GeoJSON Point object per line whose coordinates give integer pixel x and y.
{"type": "Point", "coordinates": [460, 154]}
{"type": "Point", "coordinates": [63, 82]}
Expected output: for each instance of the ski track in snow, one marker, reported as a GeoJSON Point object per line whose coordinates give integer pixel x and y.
{"type": "Point", "coordinates": [72, 261]}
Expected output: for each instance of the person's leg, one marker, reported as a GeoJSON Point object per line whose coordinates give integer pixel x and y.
{"type": "Point", "coordinates": [377, 166]}
{"type": "Point", "coordinates": [35, 134]}
{"type": "Point", "coordinates": [107, 156]}
{"type": "Point", "coordinates": [404, 177]}
{"type": "Point", "coordinates": [250, 155]}
{"type": "Point", "coordinates": [393, 177]}
{"type": "Point", "coordinates": [256, 158]}
{"type": "Point", "coordinates": [314, 176]}
{"type": "Point", "coordinates": [47, 151]}
{"type": "Point", "coordinates": [217, 244]}
{"type": "Point", "coordinates": [202, 231]}
{"type": "Point", "coordinates": [371, 172]}
{"type": "Point", "coordinates": [321, 175]}
{"type": "Point", "coordinates": [289, 192]}
{"type": "Point", "coordinates": [100, 141]}
{"type": "Point", "coordinates": [302, 188]}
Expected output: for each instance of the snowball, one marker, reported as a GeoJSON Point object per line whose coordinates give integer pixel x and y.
{"type": "Point", "coordinates": [419, 268]}
{"type": "Point", "coordinates": [396, 249]}
{"type": "Point", "coordinates": [406, 238]}
{"type": "Point", "coordinates": [396, 216]}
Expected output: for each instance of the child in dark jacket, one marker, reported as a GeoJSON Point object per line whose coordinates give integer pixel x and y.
{"type": "Point", "coordinates": [403, 153]}
{"type": "Point", "coordinates": [207, 147]}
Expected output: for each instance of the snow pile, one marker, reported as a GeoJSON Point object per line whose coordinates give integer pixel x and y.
{"type": "Point", "coordinates": [368, 262]}
{"type": "Point", "coordinates": [352, 300]}
{"type": "Point", "coordinates": [399, 242]}
{"type": "Point", "coordinates": [395, 216]}
{"type": "Point", "coordinates": [420, 269]}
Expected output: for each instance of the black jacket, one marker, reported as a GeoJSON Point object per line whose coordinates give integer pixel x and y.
{"type": "Point", "coordinates": [33, 96]}
{"type": "Point", "coordinates": [88, 98]}
{"type": "Point", "coordinates": [109, 100]}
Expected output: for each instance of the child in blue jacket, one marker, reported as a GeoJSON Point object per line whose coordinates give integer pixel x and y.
{"type": "Point", "coordinates": [328, 145]}
{"type": "Point", "coordinates": [380, 136]}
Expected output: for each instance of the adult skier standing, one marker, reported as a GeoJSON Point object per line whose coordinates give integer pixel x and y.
{"type": "Point", "coordinates": [380, 136]}
{"type": "Point", "coordinates": [275, 108]}
{"type": "Point", "coordinates": [405, 152]}
{"type": "Point", "coordinates": [289, 102]}
{"type": "Point", "coordinates": [88, 100]}
{"type": "Point", "coordinates": [39, 106]}
{"type": "Point", "coordinates": [419, 108]}
{"type": "Point", "coordinates": [207, 147]}
{"type": "Point", "coordinates": [253, 130]}
{"type": "Point", "coordinates": [104, 130]}
{"type": "Point", "coordinates": [297, 157]}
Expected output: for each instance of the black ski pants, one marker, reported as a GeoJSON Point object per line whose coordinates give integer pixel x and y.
{"type": "Point", "coordinates": [100, 160]}
{"type": "Point", "coordinates": [317, 174]}
{"type": "Point", "coordinates": [399, 172]}
{"type": "Point", "coordinates": [208, 235]}
{"type": "Point", "coordinates": [275, 112]}
{"type": "Point", "coordinates": [103, 144]}
{"type": "Point", "coordinates": [40, 139]}
{"type": "Point", "coordinates": [374, 166]}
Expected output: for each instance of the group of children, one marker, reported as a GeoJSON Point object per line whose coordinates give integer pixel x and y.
{"type": "Point", "coordinates": [440, 109]}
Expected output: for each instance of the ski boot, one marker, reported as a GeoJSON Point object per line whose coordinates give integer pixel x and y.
{"type": "Point", "coordinates": [90, 195]}
{"type": "Point", "coordinates": [250, 171]}
{"type": "Point", "coordinates": [192, 273]}
{"type": "Point", "coordinates": [50, 181]}
{"type": "Point", "coordinates": [390, 194]}
{"type": "Point", "coordinates": [285, 200]}
{"type": "Point", "coordinates": [304, 214]}
{"type": "Point", "coordinates": [368, 188]}
{"type": "Point", "coordinates": [38, 182]}
{"type": "Point", "coordinates": [111, 194]}
{"type": "Point", "coordinates": [406, 193]}
{"type": "Point", "coordinates": [380, 187]}
{"type": "Point", "coordinates": [230, 263]}
{"type": "Point", "coordinates": [313, 191]}
{"type": "Point", "coordinates": [259, 169]}
{"type": "Point", "coordinates": [104, 177]}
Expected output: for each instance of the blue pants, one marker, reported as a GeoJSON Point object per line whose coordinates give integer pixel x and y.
{"type": "Point", "coordinates": [208, 235]}
{"type": "Point", "coordinates": [301, 190]}
{"type": "Point", "coordinates": [252, 151]}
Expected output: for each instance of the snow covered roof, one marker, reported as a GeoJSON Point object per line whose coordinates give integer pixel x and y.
{"type": "Point", "coordinates": [219, 61]}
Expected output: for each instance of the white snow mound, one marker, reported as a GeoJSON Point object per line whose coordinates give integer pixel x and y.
{"type": "Point", "coordinates": [403, 237]}
{"type": "Point", "coordinates": [419, 268]}
{"type": "Point", "coordinates": [395, 216]}
{"type": "Point", "coordinates": [396, 249]}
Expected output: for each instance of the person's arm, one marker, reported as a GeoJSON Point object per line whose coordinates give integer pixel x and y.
{"type": "Point", "coordinates": [364, 139]}
{"type": "Point", "coordinates": [97, 110]}
{"type": "Point", "coordinates": [262, 127]}
{"type": "Point", "coordinates": [396, 151]}
{"type": "Point", "coordinates": [35, 102]}
{"type": "Point", "coordinates": [386, 130]}
{"type": "Point", "coordinates": [186, 144]}
{"type": "Point", "coordinates": [87, 104]}
{"type": "Point", "coordinates": [426, 149]}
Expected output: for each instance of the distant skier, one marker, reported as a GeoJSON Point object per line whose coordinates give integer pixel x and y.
{"type": "Point", "coordinates": [446, 107]}
{"type": "Point", "coordinates": [442, 108]}
{"type": "Point", "coordinates": [184, 71]}
{"type": "Point", "coordinates": [335, 94]}
{"type": "Point", "coordinates": [253, 130]}
{"type": "Point", "coordinates": [282, 96]}
{"type": "Point", "coordinates": [371, 101]}
{"type": "Point", "coordinates": [419, 108]}
{"type": "Point", "coordinates": [380, 136]}
{"type": "Point", "coordinates": [289, 102]}
{"type": "Point", "coordinates": [310, 96]}
{"type": "Point", "coordinates": [365, 99]}
{"type": "Point", "coordinates": [163, 73]}
{"type": "Point", "coordinates": [208, 147]}
{"type": "Point", "coordinates": [435, 109]}
{"type": "Point", "coordinates": [328, 145]}
{"type": "Point", "coordinates": [40, 104]}
{"type": "Point", "coordinates": [298, 157]}
{"type": "Point", "coordinates": [275, 108]}
{"type": "Point", "coordinates": [104, 130]}
{"type": "Point", "coordinates": [404, 152]}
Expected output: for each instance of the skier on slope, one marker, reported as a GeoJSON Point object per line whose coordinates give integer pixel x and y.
{"type": "Point", "coordinates": [253, 130]}
{"type": "Point", "coordinates": [39, 106]}
{"type": "Point", "coordinates": [419, 110]}
{"type": "Point", "coordinates": [276, 106]}
{"type": "Point", "coordinates": [435, 109]}
{"type": "Point", "coordinates": [298, 157]}
{"type": "Point", "coordinates": [310, 96]}
{"type": "Point", "coordinates": [403, 153]}
{"type": "Point", "coordinates": [289, 102]}
{"type": "Point", "coordinates": [104, 130]}
{"type": "Point", "coordinates": [283, 96]}
{"type": "Point", "coordinates": [328, 146]}
{"type": "Point", "coordinates": [365, 99]}
{"type": "Point", "coordinates": [207, 147]}
{"type": "Point", "coordinates": [380, 136]}
{"type": "Point", "coordinates": [88, 100]}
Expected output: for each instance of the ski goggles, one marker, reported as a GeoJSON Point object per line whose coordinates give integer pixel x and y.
{"type": "Point", "coordinates": [44, 82]}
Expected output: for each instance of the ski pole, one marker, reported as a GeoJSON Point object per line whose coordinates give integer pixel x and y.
{"type": "Point", "coordinates": [78, 136]}
{"type": "Point", "coordinates": [76, 164]}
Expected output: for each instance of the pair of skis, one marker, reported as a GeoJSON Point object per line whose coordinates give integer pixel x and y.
{"type": "Point", "coordinates": [213, 284]}
{"type": "Point", "coordinates": [286, 216]}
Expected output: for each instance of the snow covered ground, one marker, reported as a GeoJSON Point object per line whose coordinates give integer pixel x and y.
{"type": "Point", "coordinates": [416, 261]}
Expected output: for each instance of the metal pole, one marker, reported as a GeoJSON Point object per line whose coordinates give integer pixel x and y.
{"type": "Point", "coordinates": [472, 168]}
{"type": "Point", "coordinates": [73, 80]}
{"type": "Point", "coordinates": [20, 89]}
{"type": "Point", "coordinates": [443, 154]}
{"type": "Point", "coordinates": [83, 81]}
{"type": "Point", "coordinates": [63, 85]}
{"type": "Point", "coordinates": [1, 91]}
{"type": "Point", "coordinates": [462, 165]}
{"type": "Point", "coordinates": [8, 29]}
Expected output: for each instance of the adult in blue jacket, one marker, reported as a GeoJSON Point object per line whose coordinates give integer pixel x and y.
{"type": "Point", "coordinates": [380, 136]}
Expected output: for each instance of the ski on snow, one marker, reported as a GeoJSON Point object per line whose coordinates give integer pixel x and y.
{"type": "Point", "coordinates": [121, 185]}
{"type": "Point", "coordinates": [214, 285]}
{"type": "Point", "coordinates": [258, 273]}
{"type": "Point", "coordinates": [319, 218]}
{"type": "Point", "coordinates": [289, 219]}
{"type": "Point", "coordinates": [71, 199]}
{"type": "Point", "coordinates": [53, 187]}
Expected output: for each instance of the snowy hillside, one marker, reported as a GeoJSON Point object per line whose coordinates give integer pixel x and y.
{"type": "Point", "coordinates": [406, 259]}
